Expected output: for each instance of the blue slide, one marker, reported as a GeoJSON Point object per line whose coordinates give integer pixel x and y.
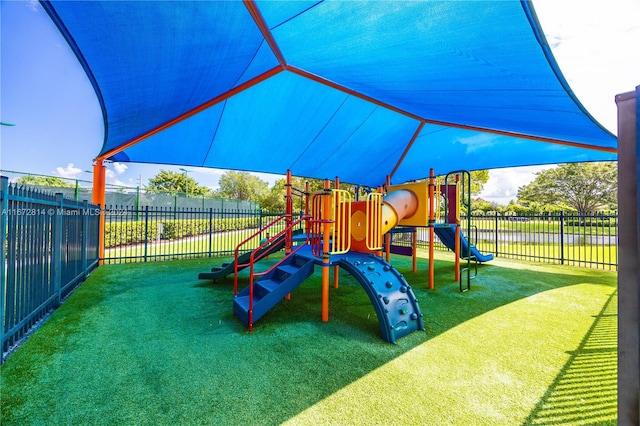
{"type": "Point", "coordinates": [392, 297]}
{"type": "Point", "coordinates": [447, 235]}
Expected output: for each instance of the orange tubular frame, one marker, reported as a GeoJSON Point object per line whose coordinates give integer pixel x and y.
{"type": "Point", "coordinates": [336, 268]}
{"type": "Point", "coordinates": [99, 198]}
{"type": "Point", "coordinates": [326, 232]}
{"type": "Point", "coordinates": [432, 224]}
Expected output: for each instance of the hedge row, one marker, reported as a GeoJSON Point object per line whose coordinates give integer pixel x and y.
{"type": "Point", "coordinates": [133, 232]}
{"type": "Point", "coordinates": [591, 222]}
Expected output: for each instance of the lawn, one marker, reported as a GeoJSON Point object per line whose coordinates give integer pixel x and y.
{"type": "Point", "coordinates": [150, 344]}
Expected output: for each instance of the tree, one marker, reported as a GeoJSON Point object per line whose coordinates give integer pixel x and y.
{"type": "Point", "coordinates": [478, 179]}
{"type": "Point", "coordinates": [176, 183]}
{"type": "Point", "coordinates": [585, 187]}
{"type": "Point", "coordinates": [274, 201]}
{"type": "Point", "coordinates": [242, 186]}
{"type": "Point", "coordinates": [44, 181]}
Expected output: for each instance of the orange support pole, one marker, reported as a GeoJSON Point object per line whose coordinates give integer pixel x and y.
{"type": "Point", "coordinates": [336, 269]}
{"type": "Point", "coordinates": [98, 195]}
{"type": "Point", "coordinates": [414, 250]}
{"type": "Point", "coordinates": [432, 223]}
{"type": "Point", "coordinates": [326, 231]}
{"type": "Point", "coordinates": [288, 239]}
{"type": "Point", "coordinates": [307, 223]}
{"type": "Point", "coordinates": [289, 220]}
{"type": "Point", "coordinates": [387, 246]}
{"type": "Point", "coordinates": [387, 236]}
{"type": "Point", "coordinates": [457, 240]}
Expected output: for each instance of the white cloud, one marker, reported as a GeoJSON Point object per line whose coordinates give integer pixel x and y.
{"type": "Point", "coordinates": [594, 44]}
{"type": "Point", "coordinates": [120, 168]}
{"type": "Point", "coordinates": [118, 182]}
{"type": "Point", "coordinates": [34, 5]}
{"type": "Point", "coordinates": [503, 184]}
{"type": "Point", "coordinates": [70, 171]}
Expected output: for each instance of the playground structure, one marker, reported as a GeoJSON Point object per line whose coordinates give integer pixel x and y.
{"type": "Point", "coordinates": [335, 231]}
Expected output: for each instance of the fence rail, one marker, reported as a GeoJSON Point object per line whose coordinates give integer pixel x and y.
{"type": "Point", "coordinates": [159, 233]}
{"type": "Point", "coordinates": [563, 238]}
{"type": "Point", "coordinates": [49, 245]}
{"type": "Point", "coordinates": [151, 234]}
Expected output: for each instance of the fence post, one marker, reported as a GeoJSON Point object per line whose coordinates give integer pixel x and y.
{"type": "Point", "coordinates": [137, 203]}
{"type": "Point", "coordinates": [146, 231]}
{"type": "Point", "coordinates": [260, 224]}
{"type": "Point", "coordinates": [210, 231]}
{"type": "Point", "coordinates": [4, 214]}
{"type": "Point", "coordinates": [562, 237]}
{"type": "Point", "coordinates": [175, 207]}
{"type": "Point", "coordinates": [496, 227]}
{"type": "Point", "coordinates": [57, 248]}
{"type": "Point", "coordinates": [84, 221]}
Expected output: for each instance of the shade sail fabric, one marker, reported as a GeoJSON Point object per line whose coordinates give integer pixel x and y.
{"type": "Point", "coordinates": [355, 89]}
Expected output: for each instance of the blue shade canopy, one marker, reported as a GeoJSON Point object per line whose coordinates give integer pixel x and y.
{"type": "Point", "coordinates": [355, 89]}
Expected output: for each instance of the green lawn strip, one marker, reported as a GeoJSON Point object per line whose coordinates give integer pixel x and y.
{"type": "Point", "coordinates": [184, 247]}
{"type": "Point", "coordinates": [582, 254]}
{"type": "Point", "coordinates": [151, 344]}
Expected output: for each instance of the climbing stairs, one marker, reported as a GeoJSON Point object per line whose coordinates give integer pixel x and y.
{"type": "Point", "coordinates": [271, 288]}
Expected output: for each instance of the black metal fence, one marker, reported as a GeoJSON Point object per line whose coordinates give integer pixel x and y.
{"type": "Point", "coordinates": [562, 238]}
{"type": "Point", "coordinates": [164, 233]}
{"type": "Point", "coordinates": [49, 245]}
{"type": "Point", "coordinates": [154, 233]}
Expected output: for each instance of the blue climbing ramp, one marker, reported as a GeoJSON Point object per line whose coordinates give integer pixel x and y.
{"type": "Point", "coordinates": [271, 288]}
{"type": "Point", "coordinates": [392, 297]}
{"type": "Point", "coordinates": [447, 235]}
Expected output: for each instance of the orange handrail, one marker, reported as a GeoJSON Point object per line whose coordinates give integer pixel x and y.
{"type": "Point", "coordinates": [267, 252]}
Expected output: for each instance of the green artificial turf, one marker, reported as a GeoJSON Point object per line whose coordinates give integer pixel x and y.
{"type": "Point", "coordinates": [151, 344]}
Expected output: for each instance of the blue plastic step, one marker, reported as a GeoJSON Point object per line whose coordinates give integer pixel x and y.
{"type": "Point", "coordinates": [263, 287]}
{"type": "Point", "coordinates": [272, 288]}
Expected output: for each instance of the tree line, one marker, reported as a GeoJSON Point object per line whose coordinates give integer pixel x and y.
{"type": "Point", "coordinates": [581, 187]}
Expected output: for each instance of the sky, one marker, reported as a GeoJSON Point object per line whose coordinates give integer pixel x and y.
{"type": "Point", "coordinates": [58, 123]}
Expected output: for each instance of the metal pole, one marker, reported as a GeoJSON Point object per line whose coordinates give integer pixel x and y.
{"type": "Point", "coordinates": [336, 268]}
{"type": "Point", "coordinates": [432, 224]}
{"type": "Point", "coordinates": [496, 212]}
{"type": "Point", "coordinates": [146, 231]}
{"type": "Point", "coordinates": [326, 225]}
{"type": "Point", "coordinates": [99, 197]}
{"type": "Point", "coordinates": [562, 237]}
{"type": "Point", "coordinates": [57, 248]}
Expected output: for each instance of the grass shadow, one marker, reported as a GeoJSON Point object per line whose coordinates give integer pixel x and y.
{"type": "Point", "coordinates": [152, 344]}
{"type": "Point", "coordinates": [585, 391]}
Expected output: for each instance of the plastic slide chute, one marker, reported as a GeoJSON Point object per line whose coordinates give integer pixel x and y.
{"type": "Point", "coordinates": [398, 205]}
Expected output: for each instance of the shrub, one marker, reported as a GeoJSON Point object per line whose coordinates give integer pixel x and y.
{"type": "Point", "coordinates": [590, 222]}
{"type": "Point", "coordinates": [133, 232]}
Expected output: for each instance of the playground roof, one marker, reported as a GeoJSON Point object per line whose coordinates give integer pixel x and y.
{"type": "Point", "coordinates": [355, 89]}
